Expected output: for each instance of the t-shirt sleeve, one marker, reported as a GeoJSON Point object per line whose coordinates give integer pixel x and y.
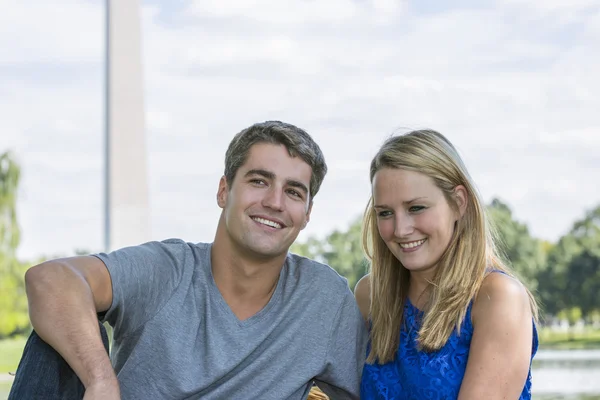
{"type": "Point", "coordinates": [346, 353]}
{"type": "Point", "coordinates": [143, 279]}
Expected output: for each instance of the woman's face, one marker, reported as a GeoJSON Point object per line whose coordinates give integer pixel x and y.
{"type": "Point", "coordinates": [413, 217]}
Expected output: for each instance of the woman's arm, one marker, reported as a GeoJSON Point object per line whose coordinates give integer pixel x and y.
{"type": "Point", "coordinates": [500, 352]}
{"type": "Point", "coordinates": [362, 293]}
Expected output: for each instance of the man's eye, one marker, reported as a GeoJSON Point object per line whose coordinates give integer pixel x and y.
{"type": "Point", "coordinates": [294, 193]}
{"type": "Point", "coordinates": [258, 182]}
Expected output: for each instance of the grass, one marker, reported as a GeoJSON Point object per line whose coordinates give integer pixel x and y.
{"type": "Point", "coordinates": [576, 340]}
{"type": "Point", "coordinates": [4, 389]}
{"type": "Point", "coordinates": [10, 353]}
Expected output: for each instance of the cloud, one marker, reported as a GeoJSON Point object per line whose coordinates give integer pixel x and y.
{"type": "Point", "coordinates": [295, 11]}
{"type": "Point", "coordinates": [512, 84]}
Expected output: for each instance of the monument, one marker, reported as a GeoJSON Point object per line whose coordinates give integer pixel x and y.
{"type": "Point", "coordinates": [127, 214]}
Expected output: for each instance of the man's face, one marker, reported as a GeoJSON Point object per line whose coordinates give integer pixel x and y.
{"type": "Point", "coordinates": [268, 202]}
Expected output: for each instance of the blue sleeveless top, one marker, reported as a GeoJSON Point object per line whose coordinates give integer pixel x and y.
{"type": "Point", "coordinates": [415, 374]}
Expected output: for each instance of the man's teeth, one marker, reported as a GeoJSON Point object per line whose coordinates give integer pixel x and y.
{"type": "Point", "coordinates": [412, 244]}
{"type": "Point", "coordinates": [267, 222]}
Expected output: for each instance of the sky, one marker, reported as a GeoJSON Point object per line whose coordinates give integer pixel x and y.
{"type": "Point", "coordinates": [513, 84]}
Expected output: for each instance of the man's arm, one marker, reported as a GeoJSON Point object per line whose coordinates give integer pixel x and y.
{"type": "Point", "coordinates": [64, 297]}
{"type": "Point", "coordinates": [346, 353]}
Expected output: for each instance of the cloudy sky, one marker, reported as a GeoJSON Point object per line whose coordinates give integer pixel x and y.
{"type": "Point", "coordinates": [514, 84]}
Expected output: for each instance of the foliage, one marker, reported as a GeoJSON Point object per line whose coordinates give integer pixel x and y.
{"type": "Point", "coordinates": [523, 253]}
{"type": "Point", "coordinates": [341, 250]}
{"type": "Point", "coordinates": [14, 317]}
{"type": "Point", "coordinates": [563, 275]}
{"type": "Point", "coordinates": [573, 274]}
{"type": "Point", "coordinates": [9, 182]}
{"type": "Point", "coordinates": [13, 301]}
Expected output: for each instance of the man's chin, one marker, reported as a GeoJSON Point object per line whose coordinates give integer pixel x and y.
{"type": "Point", "coordinates": [268, 252]}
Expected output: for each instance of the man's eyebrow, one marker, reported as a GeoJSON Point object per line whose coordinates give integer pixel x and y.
{"type": "Point", "coordinates": [261, 172]}
{"type": "Point", "coordinates": [298, 185]}
{"type": "Point", "coordinates": [270, 175]}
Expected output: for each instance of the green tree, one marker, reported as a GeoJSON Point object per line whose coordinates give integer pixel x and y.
{"type": "Point", "coordinates": [312, 248]}
{"type": "Point", "coordinates": [341, 250]}
{"type": "Point", "coordinates": [572, 278]}
{"type": "Point", "coordinates": [9, 182]}
{"type": "Point", "coordinates": [583, 280]}
{"type": "Point", "coordinates": [572, 316]}
{"type": "Point", "coordinates": [524, 253]}
{"type": "Point", "coordinates": [14, 317]}
{"type": "Point", "coordinates": [13, 301]}
{"type": "Point", "coordinates": [344, 253]}
{"type": "Point", "coordinates": [594, 317]}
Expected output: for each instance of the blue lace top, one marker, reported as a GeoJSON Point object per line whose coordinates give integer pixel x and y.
{"type": "Point", "coordinates": [420, 375]}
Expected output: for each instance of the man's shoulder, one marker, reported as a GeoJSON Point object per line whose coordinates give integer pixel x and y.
{"type": "Point", "coordinates": [177, 245]}
{"type": "Point", "coordinates": [316, 273]}
{"type": "Point", "coordinates": [181, 242]}
{"type": "Point", "coordinates": [172, 251]}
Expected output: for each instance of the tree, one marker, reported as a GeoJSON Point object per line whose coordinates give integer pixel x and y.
{"type": "Point", "coordinates": [14, 317]}
{"type": "Point", "coordinates": [583, 280]}
{"type": "Point", "coordinates": [344, 253]}
{"type": "Point", "coordinates": [341, 250]}
{"type": "Point", "coordinates": [572, 316]}
{"type": "Point", "coordinates": [9, 182]}
{"type": "Point", "coordinates": [523, 252]}
{"type": "Point", "coordinates": [572, 278]}
{"type": "Point", "coordinates": [312, 248]}
{"type": "Point", "coordinates": [13, 301]}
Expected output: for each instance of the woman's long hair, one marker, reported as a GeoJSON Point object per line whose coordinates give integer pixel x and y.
{"type": "Point", "coordinates": [460, 271]}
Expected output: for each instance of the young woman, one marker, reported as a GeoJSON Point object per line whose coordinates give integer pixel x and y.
{"type": "Point", "coordinates": [447, 318]}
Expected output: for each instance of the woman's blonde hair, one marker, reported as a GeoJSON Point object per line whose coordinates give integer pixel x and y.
{"type": "Point", "coordinates": [470, 255]}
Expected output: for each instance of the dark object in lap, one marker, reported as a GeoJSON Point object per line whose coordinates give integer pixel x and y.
{"type": "Point", "coordinates": [44, 374]}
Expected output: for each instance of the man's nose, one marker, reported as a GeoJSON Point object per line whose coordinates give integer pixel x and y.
{"type": "Point", "coordinates": [274, 199]}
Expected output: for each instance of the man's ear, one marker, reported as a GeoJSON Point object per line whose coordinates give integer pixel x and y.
{"type": "Point", "coordinates": [222, 192]}
{"type": "Point", "coordinates": [307, 214]}
{"type": "Point", "coordinates": [462, 198]}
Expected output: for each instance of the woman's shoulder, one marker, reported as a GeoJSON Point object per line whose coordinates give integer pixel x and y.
{"type": "Point", "coordinates": [500, 295]}
{"type": "Point", "coordinates": [500, 283]}
{"type": "Point", "coordinates": [362, 293]}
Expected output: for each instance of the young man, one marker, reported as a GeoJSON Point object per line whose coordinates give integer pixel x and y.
{"type": "Point", "coordinates": [239, 318]}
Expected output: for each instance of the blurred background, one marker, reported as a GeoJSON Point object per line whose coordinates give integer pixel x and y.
{"type": "Point", "coordinates": [513, 84]}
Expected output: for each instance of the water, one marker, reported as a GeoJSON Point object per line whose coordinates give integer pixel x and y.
{"type": "Point", "coordinates": [566, 375]}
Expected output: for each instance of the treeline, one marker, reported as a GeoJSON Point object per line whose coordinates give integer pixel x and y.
{"type": "Point", "coordinates": [13, 301]}
{"type": "Point", "coordinates": [565, 276]}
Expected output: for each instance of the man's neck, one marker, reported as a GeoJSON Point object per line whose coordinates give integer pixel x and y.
{"type": "Point", "coordinates": [245, 282]}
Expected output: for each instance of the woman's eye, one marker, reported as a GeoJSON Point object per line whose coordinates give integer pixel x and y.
{"type": "Point", "coordinates": [416, 208]}
{"type": "Point", "coordinates": [384, 214]}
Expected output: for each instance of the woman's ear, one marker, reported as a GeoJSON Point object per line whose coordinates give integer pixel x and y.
{"type": "Point", "coordinates": [461, 198]}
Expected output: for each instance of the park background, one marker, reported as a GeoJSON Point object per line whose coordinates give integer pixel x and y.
{"type": "Point", "coordinates": [512, 83]}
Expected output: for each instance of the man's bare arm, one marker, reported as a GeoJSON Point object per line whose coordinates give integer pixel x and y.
{"type": "Point", "coordinates": [64, 297]}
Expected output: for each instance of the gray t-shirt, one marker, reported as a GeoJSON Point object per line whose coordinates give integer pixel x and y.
{"type": "Point", "coordinates": [175, 337]}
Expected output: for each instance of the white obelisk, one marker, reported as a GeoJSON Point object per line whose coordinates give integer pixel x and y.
{"type": "Point", "coordinates": [127, 214]}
